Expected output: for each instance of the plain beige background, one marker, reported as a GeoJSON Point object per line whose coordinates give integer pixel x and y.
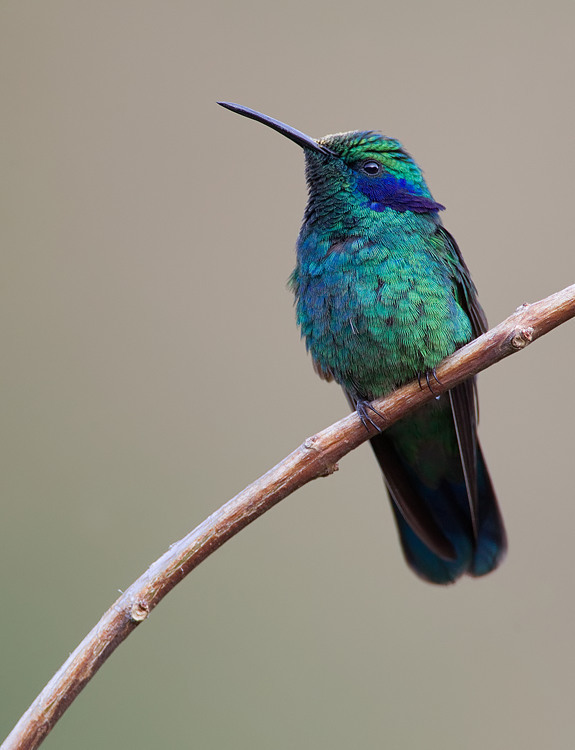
{"type": "Point", "coordinates": [151, 368]}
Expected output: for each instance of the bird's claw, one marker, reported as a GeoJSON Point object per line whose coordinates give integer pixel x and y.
{"type": "Point", "coordinates": [363, 408]}
{"type": "Point", "coordinates": [428, 375]}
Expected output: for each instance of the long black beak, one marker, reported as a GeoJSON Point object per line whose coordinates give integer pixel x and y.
{"type": "Point", "coordinates": [294, 135]}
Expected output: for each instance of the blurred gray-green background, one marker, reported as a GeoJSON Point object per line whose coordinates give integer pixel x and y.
{"type": "Point", "coordinates": [151, 368]}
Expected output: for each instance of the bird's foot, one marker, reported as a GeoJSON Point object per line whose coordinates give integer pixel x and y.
{"type": "Point", "coordinates": [363, 408]}
{"type": "Point", "coordinates": [428, 375]}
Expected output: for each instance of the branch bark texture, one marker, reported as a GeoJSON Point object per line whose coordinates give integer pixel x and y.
{"type": "Point", "coordinates": [317, 456]}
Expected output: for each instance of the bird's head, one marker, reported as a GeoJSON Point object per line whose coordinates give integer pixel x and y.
{"type": "Point", "coordinates": [355, 173]}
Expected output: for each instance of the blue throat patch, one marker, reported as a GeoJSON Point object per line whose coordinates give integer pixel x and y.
{"type": "Point", "coordinates": [396, 193]}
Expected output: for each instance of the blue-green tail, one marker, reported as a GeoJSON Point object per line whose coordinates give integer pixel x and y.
{"type": "Point", "coordinates": [443, 533]}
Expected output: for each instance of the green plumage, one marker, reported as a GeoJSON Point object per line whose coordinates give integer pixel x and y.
{"type": "Point", "coordinates": [383, 309]}
{"type": "Point", "coordinates": [383, 295]}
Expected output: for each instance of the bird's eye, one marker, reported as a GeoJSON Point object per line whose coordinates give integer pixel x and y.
{"type": "Point", "coordinates": [371, 167]}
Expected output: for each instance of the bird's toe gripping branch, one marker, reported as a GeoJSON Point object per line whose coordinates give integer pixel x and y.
{"type": "Point", "coordinates": [428, 375]}
{"type": "Point", "coordinates": [363, 408]}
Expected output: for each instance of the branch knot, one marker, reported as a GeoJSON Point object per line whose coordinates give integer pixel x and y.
{"type": "Point", "coordinates": [139, 611]}
{"type": "Point", "coordinates": [329, 467]}
{"type": "Point", "coordinates": [521, 337]}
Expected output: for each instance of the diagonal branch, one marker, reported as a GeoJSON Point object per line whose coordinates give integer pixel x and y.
{"type": "Point", "coordinates": [317, 456]}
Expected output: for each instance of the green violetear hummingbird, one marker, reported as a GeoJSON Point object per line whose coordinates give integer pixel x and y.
{"type": "Point", "coordinates": [382, 296]}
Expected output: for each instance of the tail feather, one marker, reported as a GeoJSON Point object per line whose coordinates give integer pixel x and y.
{"type": "Point", "coordinates": [492, 541]}
{"type": "Point", "coordinates": [422, 453]}
{"type": "Point", "coordinates": [425, 563]}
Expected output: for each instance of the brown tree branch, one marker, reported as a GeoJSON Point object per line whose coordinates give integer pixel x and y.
{"type": "Point", "coordinates": [317, 456]}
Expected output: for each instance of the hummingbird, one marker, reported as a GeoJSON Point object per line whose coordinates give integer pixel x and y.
{"type": "Point", "coordinates": [382, 296]}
